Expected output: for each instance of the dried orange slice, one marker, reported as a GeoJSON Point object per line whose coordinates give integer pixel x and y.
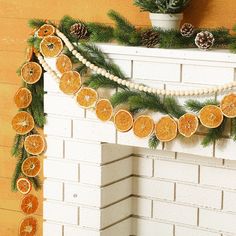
{"type": "Point", "coordinates": [45, 30]}
{"type": "Point", "coordinates": [188, 124]}
{"type": "Point", "coordinates": [23, 185]}
{"type": "Point", "coordinates": [31, 166]}
{"type": "Point", "coordinates": [63, 63]}
{"type": "Point", "coordinates": [29, 53]}
{"type": "Point", "coordinates": [123, 120]}
{"type": "Point", "coordinates": [51, 46]}
{"type": "Point", "coordinates": [211, 116]}
{"type": "Point", "coordinates": [70, 82]}
{"type": "Point", "coordinates": [22, 122]}
{"type": "Point", "coordinates": [34, 144]}
{"type": "Point", "coordinates": [166, 129]}
{"type": "Point", "coordinates": [31, 72]}
{"type": "Point", "coordinates": [143, 126]}
{"type": "Point", "coordinates": [87, 97]}
{"type": "Point", "coordinates": [228, 105]}
{"type": "Point", "coordinates": [104, 110]}
{"type": "Point", "coordinates": [29, 204]}
{"type": "Point", "coordinates": [23, 98]}
{"type": "Point", "coordinates": [28, 227]}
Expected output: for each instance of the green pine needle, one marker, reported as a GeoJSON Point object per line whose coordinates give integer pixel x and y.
{"type": "Point", "coordinates": [82, 69]}
{"type": "Point", "coordinates": [17, 145]}
{"type": "Point", "coordinates": [100, 32]}
{"type": "Point", "coordinates": [34, 41]}
{"type": "Point", "coordinates": [196, 106]}
{"type": "Point", "coordinates": [92, 52]}
{"type": "Point", "coordinates": [214, 134]}
{"type": "Point", "coordinates": [125, 33]}
{"type": "Point", "coordinates": [233, 133]}
{"type": "Point", "coordinates": [153, 142]}
{"type": "Point", "coordinates": [121, 97]}
{"type": "Point", "coordinates": [36, 23]}
{"type": "Point", "coordinates": [36, 182]}
{"type": "Point", "coordinates": [96, 81]}
{"type": "Point", "coordinates": [173, 107]}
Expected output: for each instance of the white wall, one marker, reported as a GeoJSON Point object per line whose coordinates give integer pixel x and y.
{"type": "Point", "coordinates": [103, 182]}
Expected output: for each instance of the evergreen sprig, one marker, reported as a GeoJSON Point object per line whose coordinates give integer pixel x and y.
{"type": "Point", "coordinates": [162, 6]}
{"type": "Point", "coordinates": [153, 142]}
{"type": "Point", "coordinates": [34, 42]}
{"type": "Point", "coordinates": [214, 134]}
{"type": "Point", "coordinates": [233, 131]}
{"type": "Point", "coordinates": [125, 33]}
{"type": "Point", "coordinates": [36, 23]}
{"type": "Point", "coordinates": [92, 53]}
{"type": "Point", "coordinates": [97, 81]}
{"type": "Point", "coordinates": [196, 106]}
{"type": "Point", "coordinates": [173, 108]}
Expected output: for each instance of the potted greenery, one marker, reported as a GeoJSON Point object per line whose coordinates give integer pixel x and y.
{"type": "Point", "coordinates": [165, 14]}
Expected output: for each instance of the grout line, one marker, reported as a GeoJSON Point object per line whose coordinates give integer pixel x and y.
{"type": "Point", "coordinates": [198, 216]}
{"type": "Point", "coordinates": [222, 200]}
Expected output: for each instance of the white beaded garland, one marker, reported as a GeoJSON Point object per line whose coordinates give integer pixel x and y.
{"type": "Point", "coordinates": [74, 52]}
{"type": "Point", "coordinates": [131, 84]}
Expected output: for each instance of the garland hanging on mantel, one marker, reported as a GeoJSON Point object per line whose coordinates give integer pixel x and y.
{"type": "Point", "coordinates": [82, 69]}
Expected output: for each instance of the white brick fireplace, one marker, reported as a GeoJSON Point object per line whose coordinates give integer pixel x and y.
{"type": "Point", "coordinates": [100, 182]}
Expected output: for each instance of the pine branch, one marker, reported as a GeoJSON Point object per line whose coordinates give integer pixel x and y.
{"type": "Point", "coordinates": [153, 142]}
{"type": "Point", "coordinates": [64, 26]}
{"type": "Point", "coordinates": [36, 182]}
{"type": "Point", "coordinates": [146, 101]}
{"type": "Point", "coordinates": [214, 134]}
{"type": "Point", "coordinates": [125, 33]}
{"type": "Point", "coordinates": [173, 107]}
{"type": "Point", "coordinates": [98, 81]}
{"type": "Point", "coordinates": [162, 6]}
{"type": "Point", "coordinates": [34, 42]}
{"type": "Point", "coordinates": [100, 32]}
{"type": "Point", "coordinates": [196, 106]}
{"type": "Point", "coordinates": [36, 23]}
{"type": "Point", "coordinates": [17, 173]}
{"type": "Point", "coordinates": [233, 132]}
{"type": "Point", "coordinates": [17, 145]}
{"type": "Point", "coordinates": [96, 56]}
{"type": "Point", "coordinates": [82, 69]}
{"type": "Point", "coordinates": [121, 97]}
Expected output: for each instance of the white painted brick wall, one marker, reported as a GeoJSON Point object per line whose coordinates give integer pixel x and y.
{"type": "Point", "coordinates": [100, 182]}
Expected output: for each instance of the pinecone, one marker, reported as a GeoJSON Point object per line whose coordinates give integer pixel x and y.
{"type": "Point", "coordinates": [79, 30]}
{"type": "Point", "coordinates": [150, 38]}
{"type": "Point", "coordinates": [187, 30]}
{"type": "Point", "coordinates": [204, 40]}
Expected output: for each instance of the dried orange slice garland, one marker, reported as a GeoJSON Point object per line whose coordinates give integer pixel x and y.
{"type": "Point", "coordinates": [123, 120]}
{"type": "Point", "coordinates": [51, 46]}
{"type": "Point", "coordinates": [63, 63]}
{"type": "Point", "coordinates": [28, 227]}
{"type": "Point", "coordinates": [31, 72]}
{"type": "Point", "coordinates": [211, 116]}
{"type": "Point", "coordinates": [70, 82]}
{"type": "Point", "coordinates": [188, 124]}
{"type": "Point", "coordinates": [166, 129]}
{"type": "Point", "coordinates": [228, 105]}
{"type": "Point", "coordinates": [143, 126]}
{"type": "Point", "coordinates": [104, 110]}
{"type": "Point", "coordinates": [87, 97]}
{"type": "Point", "coordinates": [29, 204]}
{"type": "Point", "coordinates": [34, 144]}
{"type": "Point", "coordinates": [31, 166]}
{"type": "Point", "coordinates": [23, 185]}
{"type": "Point", "coordinates": [22, 123]}
{"type": "Point", "coordinates": [45, 30]}
{"type": "Point", "coordinates": [23, 98]}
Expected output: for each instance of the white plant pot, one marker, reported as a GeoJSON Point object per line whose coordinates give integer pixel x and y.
{"type": "Point", "coordinates": [166, 21]}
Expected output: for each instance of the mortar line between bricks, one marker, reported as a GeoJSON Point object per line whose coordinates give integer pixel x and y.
{"type": "Point", "coordinates": [117, 222]}
{"type": "Point", "coordinates": [222, 200]}
{"type": "Point", "coordinates": [184, 204]}
{"type": "Point", "coordinates": [198, 216]}
{"type": "Point", "coordinates": [176, 224]}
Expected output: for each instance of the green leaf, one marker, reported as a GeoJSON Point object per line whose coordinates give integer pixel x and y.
{"type": "Point", "coordinates": [196, 106]}
{"type": "Point", "coordinates": [173, 107]}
